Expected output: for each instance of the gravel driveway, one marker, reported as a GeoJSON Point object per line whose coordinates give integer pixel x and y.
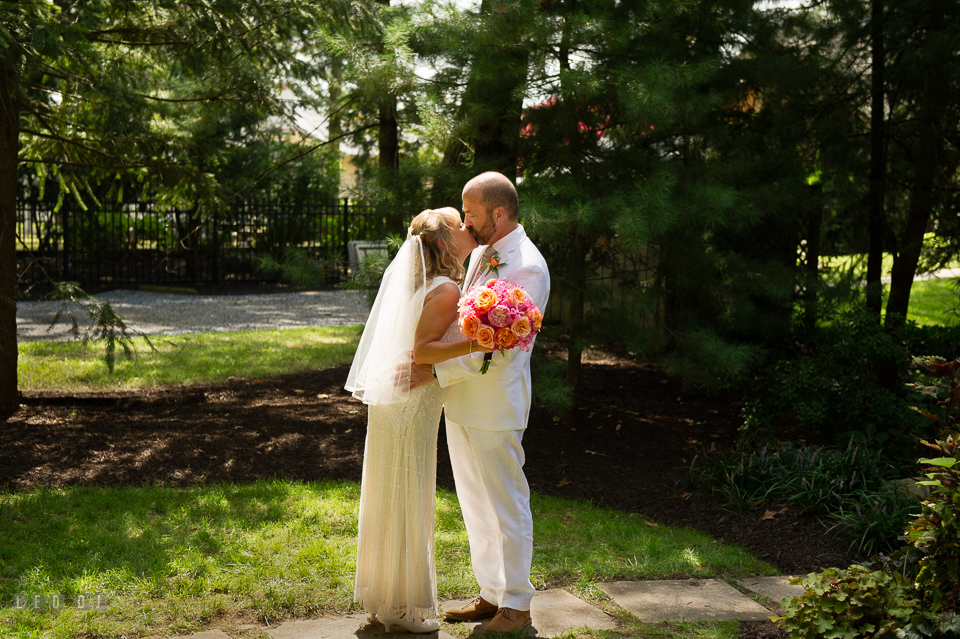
{"type": "Point", "coordinates": [163, 314]}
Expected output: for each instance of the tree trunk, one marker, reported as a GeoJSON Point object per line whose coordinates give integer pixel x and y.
{"type": "Point", "coordinates": [9, 150]}
{"type": "Point", "coordinates": [578, 271]}
{"type": "Point", "coordinates": [921, 196]}
{"type": "Point", "coordinates": [498, 76]}
{"type": "Point", "coordinates": [188, 228]}
{"type": "Point", "coordinates": [335, 81]}
{"type": "Point", "coordinates": [578, 267]}
{"type": "Point", "coordinates": [811, 274]}
{"type": "Point", "coordinates": [389, 141]}
{"type": "Point", "coordinates": [878, 162]}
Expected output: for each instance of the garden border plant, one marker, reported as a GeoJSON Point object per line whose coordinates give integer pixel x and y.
{"type": "Point", "coordinates": [914, 593]}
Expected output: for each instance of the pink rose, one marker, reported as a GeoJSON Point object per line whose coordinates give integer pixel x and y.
{"type": "Point", "coordinates": [536, 318]}
{"type": "Point", "coordinates": [499, 316]}
{"type": "Point", "coordinates": [517, 296]}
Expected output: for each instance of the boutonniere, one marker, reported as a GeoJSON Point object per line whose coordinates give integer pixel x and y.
{"type": "Point", "coordinates": [491, 261]}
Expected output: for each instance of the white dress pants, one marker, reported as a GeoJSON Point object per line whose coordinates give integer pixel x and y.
{"type": "Point", "coordinates": [495, 500]}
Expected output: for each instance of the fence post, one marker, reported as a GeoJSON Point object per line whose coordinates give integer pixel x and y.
{"type": "Point", "coordinates": [66, 241]}
{"type": "Point", "coordinates": [216, 246]}
{"type": "Point", "coordinates": [346, 231]}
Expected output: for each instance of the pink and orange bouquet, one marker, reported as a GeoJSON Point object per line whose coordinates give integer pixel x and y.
{"type": "Point", "coordinates": [499, 316]}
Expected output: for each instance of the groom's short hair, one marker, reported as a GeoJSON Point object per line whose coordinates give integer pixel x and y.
{"type": "Point", "coordinates": [496, 190]}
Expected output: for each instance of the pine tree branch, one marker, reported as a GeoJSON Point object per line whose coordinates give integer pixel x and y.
{"type": "Point", "coordinates": [68, 141]}
{"type": "Point", "coordinates": [136, 43]}
{"type": "Point", "coordinates": [109, 167]}
{"type": "Point", "coordinates": [298, 156]}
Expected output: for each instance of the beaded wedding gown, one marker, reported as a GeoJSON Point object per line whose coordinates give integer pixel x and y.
{"type": "Point", "coordinates": [396, 574]}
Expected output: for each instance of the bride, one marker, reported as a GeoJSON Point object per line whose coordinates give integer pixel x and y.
{"type": "Point", "coordinates": [415, 312]}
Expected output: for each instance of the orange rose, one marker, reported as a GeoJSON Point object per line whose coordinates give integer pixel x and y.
{"type": "Point", "coordinates": [469, 325]}
{"type": "Point", "coordinates": [521, 328]}
{"type": "Point", "coordinates": [505, 338]}
{"type": "Point", "coordinates": [536, 319]}
{"type": "Point", "coordinates": [485, 300]}
{"type": "Point", "coordinates": [491, 282]}
{"type": "Point", "coordinates": [486, 336]}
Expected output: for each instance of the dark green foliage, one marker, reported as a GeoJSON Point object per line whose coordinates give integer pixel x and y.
{"type": "Point", "coordinates": [549, 375]}
{"type": "Point", "coordinates": [935, 535]}
{"type": "Point", "coordinates": [296, 267]}
{"type": "Point", "coordinates": [832, 389]}
{"type": "Point", "coordinates": [844, 604]}
{"type": "Point", "coordinates": [916, 591]}
{"type": "Point", "coordinates": [845, 487]}
{"type": "Point", "coordinates": [944, 341]}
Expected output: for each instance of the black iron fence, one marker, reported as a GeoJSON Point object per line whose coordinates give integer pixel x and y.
{"type": "Point", "coordinates": [142, 243]}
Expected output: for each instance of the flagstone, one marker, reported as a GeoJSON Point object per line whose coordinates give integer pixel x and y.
{"type": "Point", "coordinates": [684, 600]}
{"type": "Point", "coordinates": [206, 634]}
{"type": "Point", "coordinates": [776, 588]}
{"type": "Point", "coordinates": [556, 611]}
{"type": "Point", "coordinates": [351, 626]}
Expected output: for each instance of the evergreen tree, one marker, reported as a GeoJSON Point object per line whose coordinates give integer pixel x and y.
{"type": "Point", "coordinates": [144, 93]}
{"type": "Point", "coordinates": [901, 60]}
{"type": "Point", "coordinates": [664, 149]}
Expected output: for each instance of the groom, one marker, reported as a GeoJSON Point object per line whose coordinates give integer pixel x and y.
{"type": "Point", "coordinates": [487, 414]}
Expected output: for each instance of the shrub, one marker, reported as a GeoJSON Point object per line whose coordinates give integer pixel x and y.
{"type": "Point", "coordinates": [934, 536]}
{"type": "Point", "coordinates": [874, 521]}
{"type": "Point", "coordinates": [942, 340]}
{"type": "Point", "coordinates": [922, 598]}
{"type": "Point", "coordinates": [855, 602]}
{"type": "Point", "coordinates": [842, 484]}
{"type": "Point", "coordinates": [833, 389]}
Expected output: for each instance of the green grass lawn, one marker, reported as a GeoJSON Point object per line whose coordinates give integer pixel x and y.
{"type": "Point", "coordinates": [173, 561]}
{"type": "Point", "coordinates": [933, 302]}
{"type": "Point", "coordinates": [185, 359]}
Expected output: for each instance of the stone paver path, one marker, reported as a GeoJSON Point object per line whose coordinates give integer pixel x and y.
{"type": "Point", "coordinates": [686, 600]}
{"type": "Point", "coordinates": [557, 611]}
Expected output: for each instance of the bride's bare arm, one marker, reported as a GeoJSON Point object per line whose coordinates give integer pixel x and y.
{"type": "Point", "coordinates": [439, 311]}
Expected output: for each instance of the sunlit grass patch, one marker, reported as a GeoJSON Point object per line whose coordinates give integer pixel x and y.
{"type": "Point", "coordinates": [577, 540]}
{"type": "Point", "coordinates": [171, 560]}
{"type": "Point", "coordinates": [185, 359]}
{"type": "Point", "coordinates": [935, 302]}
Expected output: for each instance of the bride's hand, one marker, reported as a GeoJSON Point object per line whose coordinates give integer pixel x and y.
{"type": "Point", "coordinates": [476, 348]}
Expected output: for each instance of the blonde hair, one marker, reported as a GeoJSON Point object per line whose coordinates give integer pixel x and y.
{"type": "Point", "coordinates": [434, 228]}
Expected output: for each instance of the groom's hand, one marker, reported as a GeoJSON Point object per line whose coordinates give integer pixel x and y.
{"type": "Point", "coordinates": [420, 374]}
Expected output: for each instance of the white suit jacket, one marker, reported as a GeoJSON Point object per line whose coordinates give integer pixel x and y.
{"type": "Point", "coordinates": [500, 399]}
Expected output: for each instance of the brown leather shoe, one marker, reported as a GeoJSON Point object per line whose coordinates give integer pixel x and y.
{"type": "Point", "coordinates": [479, 608]}
{"type": "Point", "coordinates": [508, 620]}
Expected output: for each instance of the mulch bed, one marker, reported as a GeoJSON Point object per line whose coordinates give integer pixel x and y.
{"type": "Point", "coordinates": [637, 434]}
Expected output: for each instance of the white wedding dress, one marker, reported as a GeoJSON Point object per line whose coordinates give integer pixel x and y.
{"type": "Point", "coordinates": [396, 573]}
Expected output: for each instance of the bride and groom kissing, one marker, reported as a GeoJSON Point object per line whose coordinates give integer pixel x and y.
{"type": "Point", "coordinates": [416, 312]}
